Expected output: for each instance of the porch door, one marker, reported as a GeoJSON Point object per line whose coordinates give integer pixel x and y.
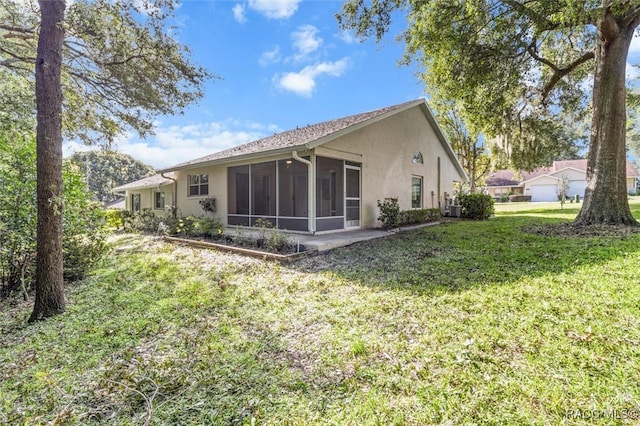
{"type": "Point", "coordinates": [352, 196]}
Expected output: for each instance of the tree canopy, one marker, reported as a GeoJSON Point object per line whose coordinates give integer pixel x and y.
{"type": "Point", "coordinates": [121, 65]}
{"type": "Point", "coordinates": [106, 169]}
{"type": "Point", "coordinates": [467, 145]}
{"type": "Point", "coordinates": [513, 65]}
{"type": "Point", "coordinates": [102, 67]}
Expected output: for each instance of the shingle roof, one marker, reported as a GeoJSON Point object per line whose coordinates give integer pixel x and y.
{"type": "Point", "coordinates": [295, 138]}
{"type": "Point", "coordinates": [502, 178]}
{"type": "Point", "coordinates": [582, 165]}
{"type": "Point", "coordinates": [148, 182]}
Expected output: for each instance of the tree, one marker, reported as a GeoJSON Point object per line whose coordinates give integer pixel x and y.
{"type": "Point", "coordinates": [121, 67]}
{"type": "Point", "coordinates": [105, 67]}
{"type": "Point", "coordinates": [49, 279]}
{"type": "Point", "coordinates": [512, 62]}
{"type": "Point", "coordinates": [83, 239]}
{"type": "Point", "coordinates": [107, 169]}
{"type": "Point", "coordinates": [539, 142]}
{"type": "Point", "coordinates": [467, 145]}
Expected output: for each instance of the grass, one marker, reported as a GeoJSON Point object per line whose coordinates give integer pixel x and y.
{"type": "Point", "coordinates": [463, 323]}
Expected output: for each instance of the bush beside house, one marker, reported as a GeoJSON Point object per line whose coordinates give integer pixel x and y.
{"type": "Point", "coordinates": [477, 206]}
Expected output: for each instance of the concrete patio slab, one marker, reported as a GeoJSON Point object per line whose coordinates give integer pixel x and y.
{"type": "Point", "coordinates": [328, 241]}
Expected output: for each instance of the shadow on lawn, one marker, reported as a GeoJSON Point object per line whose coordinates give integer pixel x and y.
{"type": "Point", "coordinates": [461, 255]}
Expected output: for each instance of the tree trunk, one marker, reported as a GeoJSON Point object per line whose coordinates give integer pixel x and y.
{"type": "Point", "coordinates": [605, 200]}
{"type": "Point", "coordinates": [48, 280]}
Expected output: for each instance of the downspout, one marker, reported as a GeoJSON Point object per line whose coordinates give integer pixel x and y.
{"type": "Point", "coordinates": [311, 191]}
{"type": "Point", "coordinates": [175, 194]}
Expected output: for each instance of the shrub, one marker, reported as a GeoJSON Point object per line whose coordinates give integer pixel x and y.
{"type": "Point", "coordinates": [207, 227]}
{"type": "Point", "coordinates": [81, 253]}
{"type": "Point", "coordinates": [83, 219]}
{"type": "Point", "coordinates": [186, 225]}
{"type": "Point", "coordinates": [408, 217]}
{"type": "Point", "coordinates": [145, 221]}
{"type": "Point", "coordinates": [116, 218]}
{"type": "Point", "coordinates": [519, 198]}
{"type": "Point", "coordinates": [389, 213]}
{"type": "Point", "coordinates": [476, 206]}
{"type": "Point", "coordinates": [277, 241]}
{"type": "Point", "coordinates": [84, 238]}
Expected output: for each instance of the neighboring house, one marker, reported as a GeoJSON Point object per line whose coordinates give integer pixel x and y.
{"type": "Point", "coordinates": [321, 177]}
{"type": "Point", "coordinates": [545, 183]}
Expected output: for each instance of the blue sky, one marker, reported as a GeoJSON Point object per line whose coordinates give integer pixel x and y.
{"type": "Point", "coordinates": [282, 63]}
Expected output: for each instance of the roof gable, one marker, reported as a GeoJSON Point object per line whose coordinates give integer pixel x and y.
{"type": "Point", "coordinates": [540, 177]}
{"type": "Point", "coordinates": [561, 173]}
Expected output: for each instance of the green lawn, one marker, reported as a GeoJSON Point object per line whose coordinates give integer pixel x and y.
{"type": "Point", "coordinates": [461, 323]}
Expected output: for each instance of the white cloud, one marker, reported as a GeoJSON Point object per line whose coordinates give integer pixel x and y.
{"type": "Point", "coordinates": [239, 13]}
{"type": "Point", "coordinates": [275, 9]}
{"type": "Point", "coordinates": [303, 83]}
{"type": "Point", "coordinates": [175, 144]}
{"type": "Point", "coordinates": [347, 37]}
{"type": "Point", "coordinates": [305, 41]}
{"type": "Point", "coordinates": [270, 57]}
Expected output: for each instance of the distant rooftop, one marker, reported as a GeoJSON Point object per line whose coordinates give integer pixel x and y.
{"type": "Point", "coordinates": [513, 178]}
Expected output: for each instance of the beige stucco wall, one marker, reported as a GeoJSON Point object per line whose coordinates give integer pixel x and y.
{"type": "Point", "coordinates": [147, 199]}
{"type": "Point", "coordinates": [386, 150]}
{"type": "Point", "coordinates": [217, 189]}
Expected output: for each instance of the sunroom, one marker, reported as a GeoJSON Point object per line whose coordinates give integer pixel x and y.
{"type": "Point", "coordinates": [279, 192]}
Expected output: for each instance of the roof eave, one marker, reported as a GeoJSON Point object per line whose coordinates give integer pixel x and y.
{"type": "Point", "coordinates": [148, 186]}
{"type": "Point", "coordinates": [243, 157]}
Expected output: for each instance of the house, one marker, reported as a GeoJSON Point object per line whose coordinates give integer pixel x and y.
{"type": "Point", "coordinates": [545, 183]}
{"type": "Point", "coordinates": [321, 177]}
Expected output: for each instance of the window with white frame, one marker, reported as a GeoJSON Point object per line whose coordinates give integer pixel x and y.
{"type": "Point", "coordinates": [198, 185]}
{"type": "Point", "coordinates": [416, 192]}
{"type": "Point", "coordinates": [159, 200]}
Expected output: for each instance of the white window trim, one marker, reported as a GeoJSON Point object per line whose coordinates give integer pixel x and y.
{"type": "Point", "coordinates": [199, 185]}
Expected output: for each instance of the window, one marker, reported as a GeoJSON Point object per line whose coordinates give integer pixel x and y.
{"type": "Point", "coordinates": [417, 157]}
{"type": "Point", "coordinates": [198, 185]}
{"type": "Point", "coordinates": [135, 203]}
{"type": "Point", "coordinates": [159, 200]}
{"type": "Point", "coordinates": [416, 192]}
